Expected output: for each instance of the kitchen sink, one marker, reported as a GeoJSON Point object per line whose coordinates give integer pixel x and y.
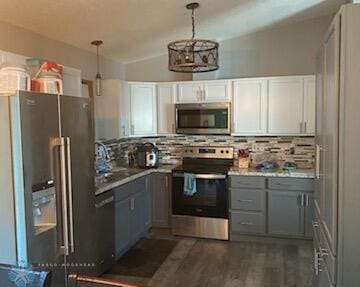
{"type": "Point", "coordinates": [116, 174]}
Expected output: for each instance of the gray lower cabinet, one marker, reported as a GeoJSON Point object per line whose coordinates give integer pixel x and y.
{"type": "Point", "coordinates": [161, 199]}
{"type": "Point", "coordinates": [248, 222]}
{"type": "Point", "coordinates": [132, 213]}
{"type": "Point", "coordinates": [309, 215]}
{"type": "Point", "coordinates": [285, 213]}
{"type": "Point", "coordinates": [247, 205]}
{"type": "Point", "coordinates": [271, 206]}
{"type": "Point", "coordinates": [123, 235]}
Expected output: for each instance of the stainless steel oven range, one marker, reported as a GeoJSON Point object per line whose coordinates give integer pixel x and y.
{"type": "Point", "coordinates": [204, 211]}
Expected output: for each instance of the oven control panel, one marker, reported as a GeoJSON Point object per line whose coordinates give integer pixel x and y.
{"type": "Point", "coordinates": [208, 152]}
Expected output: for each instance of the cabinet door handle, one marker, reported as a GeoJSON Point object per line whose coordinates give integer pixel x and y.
{"type": "Point", "coordinates": [303, 199]}
{"type": "Point", "coordinates": [132, 129]}
{"type": "Point", "coordinates": [307, 200]}
{"type": "Point", "coordinates": [300, 200]}
{"type": "Point", "coordinates": [132, 204]}
{"type": "Point", "coordinates": [301, 127]}
{"type": "Point", "coordinates": [166, 182]}
{"type": "Point", "coordinates": [123, 129]}
{"type": "Point", "coordinates": [318, 161]}
{"type": "Point", "coordinates": [203, 95]}
{"type": "Point", "coordinates": [304, 128]}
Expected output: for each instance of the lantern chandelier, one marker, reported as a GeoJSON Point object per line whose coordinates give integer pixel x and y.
{"type": "Point", "coordinates": [193, 55]}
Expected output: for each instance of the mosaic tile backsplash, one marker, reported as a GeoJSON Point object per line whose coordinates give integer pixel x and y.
{"type": "Point", "coordinates": [300, 150]}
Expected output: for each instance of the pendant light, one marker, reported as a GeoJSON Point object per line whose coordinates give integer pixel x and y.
{"type": "Point", "coordinates": [193, 55]}
{"type": "Point", "coordinates": [97, 43]}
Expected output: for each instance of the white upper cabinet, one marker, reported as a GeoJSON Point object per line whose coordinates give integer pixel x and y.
{"type": "Point", "coordinates": [166, 94]}
{"type": "Point", "coordinates": [309, 105]}
{"type": "Point", "coordinates": [249, 107]}
{"type": "Point", "coordinates": [143, 108]}
{"type": "Point", "coordinates": [217, 91]}
{"type": "Point", "coordinates": [189, 92]}
{"type": "Point", "coordinates": [112, 110]}
{"type": "Point", "coordinates": [291, 105]}
{"type": "Point", "coordinates": [208, 91]}
{"type": "Point", "coordinates": [285, 105]}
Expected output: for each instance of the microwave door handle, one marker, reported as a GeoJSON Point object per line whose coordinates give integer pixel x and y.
{"type": "Point", "coordinates": [69, 181]}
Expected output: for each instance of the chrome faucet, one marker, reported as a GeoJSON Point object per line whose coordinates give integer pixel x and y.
{"type": "Point", "coordinates": [102, 151]}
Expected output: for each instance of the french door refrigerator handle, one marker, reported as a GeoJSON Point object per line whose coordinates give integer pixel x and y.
{"type": "Point", "coordinates": [69, 186]}
{"type": "Point", "coordinates": [61, 144]}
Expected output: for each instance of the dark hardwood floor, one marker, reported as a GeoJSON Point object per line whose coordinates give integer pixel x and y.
{"type": "Point", "coordinates": [248, 263]}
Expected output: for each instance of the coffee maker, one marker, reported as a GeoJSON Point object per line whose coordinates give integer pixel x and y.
{"type": "Point", "coordinates": [148, 156]}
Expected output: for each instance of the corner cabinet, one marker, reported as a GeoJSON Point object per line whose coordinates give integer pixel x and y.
{"type": "Point", "coordinates": [112, 110]}
{"type": "Point", "coordinates": [132, 213]}
{"type": "Point", "coordinates": [166, 95]}
{"type": "Point", "coordinates": [143, 119]}
{"type": "Point", "coordinates": [161, 199]}
{"type": "Point", "coordinates": [249, 106]}
{"type": "Point", "coordinates": [207, 91]}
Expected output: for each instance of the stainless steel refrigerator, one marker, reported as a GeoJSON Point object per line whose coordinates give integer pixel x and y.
{"type": "Point", "coordinates": [47, 183]}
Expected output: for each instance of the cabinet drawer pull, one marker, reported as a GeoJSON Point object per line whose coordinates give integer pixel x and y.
{"type": "Point", "coordinates": [244, 183]}
{"type": "Point", "coordinates": [283, 184]}
{"type": "Point", "coordinates": [245, 200]}
{"type": "Point", "coordinates": [246, 223]}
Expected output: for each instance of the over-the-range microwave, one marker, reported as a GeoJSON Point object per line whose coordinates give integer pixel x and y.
{"type": "Point", "coordinates": [206, 118]}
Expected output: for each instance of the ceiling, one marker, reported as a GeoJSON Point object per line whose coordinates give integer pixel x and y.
{"type": "Point", "coordinates": [137, 29]}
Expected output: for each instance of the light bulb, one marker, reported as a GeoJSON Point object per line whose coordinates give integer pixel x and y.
{"type": "Point", "coordinates": [98, 84]}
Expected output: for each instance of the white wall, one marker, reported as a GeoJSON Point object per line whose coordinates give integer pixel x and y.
{"type": "Point", "coordinates": [153, 70]}
{"type": "Point", "coordinates": [286, 50]}
{"type": "Point", "coordinates": [24, 42]}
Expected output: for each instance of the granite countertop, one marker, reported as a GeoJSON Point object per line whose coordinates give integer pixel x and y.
{"type": "Point", "coordinates": [120, 176]}
{"type": "Point", "coordinates": [298, 173]}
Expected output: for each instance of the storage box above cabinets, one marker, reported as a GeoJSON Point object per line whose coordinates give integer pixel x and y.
{"type": "Point", "coordinates": [207, 91]}
{"type": "Point", "coordinates": [274, 106]}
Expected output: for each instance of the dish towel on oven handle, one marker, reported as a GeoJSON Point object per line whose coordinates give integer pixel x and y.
{"type": "Point", "coordinates": [189, 184]}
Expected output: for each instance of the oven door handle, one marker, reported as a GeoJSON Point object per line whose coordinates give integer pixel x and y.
{"type": "Point", "coordinates": [203, 176]}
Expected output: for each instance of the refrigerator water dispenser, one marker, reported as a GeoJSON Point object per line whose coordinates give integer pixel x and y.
{"type": "Point", "coordinates": [44, 210]}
